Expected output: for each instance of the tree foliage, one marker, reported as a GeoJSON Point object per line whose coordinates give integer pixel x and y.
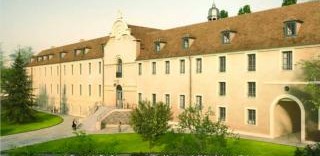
{"type": "Point", "coordinates": [224, 14]}
{"type": "Point", "coordinates": [25, 53]}
{"type": "Point", "coordinates": [207, 136]}
{"type": "Point", "coordinates": [17, 106]}
{"type": "Point", "coordinates": [151, 121]}
{"type": "Point", "coordinates": [288, 2]}
{"type": "Point", "coordinates": [244, 10]}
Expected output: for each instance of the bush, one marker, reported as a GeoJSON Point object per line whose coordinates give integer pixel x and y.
{"type": "Point", "coordinates": [309, 150]}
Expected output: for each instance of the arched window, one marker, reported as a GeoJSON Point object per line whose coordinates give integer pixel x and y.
{"type": "Point", "coordinates": [119, 69]}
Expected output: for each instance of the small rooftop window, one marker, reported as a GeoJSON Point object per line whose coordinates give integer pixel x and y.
{"type": "Point", "coordinates": [50, 56]}
{"type": "Point", "coordinates": [291, 27]}
{"type": "Point", "coordinates": [45, 58]}
{"type": "Point", "coordinates": [158, 45]}
{"type": "Point", "coordinates": [187, 41]}
{"type": "Point", "coordinates": [62, 54]}
{"type": "Point", "coordinates": [227, 36]}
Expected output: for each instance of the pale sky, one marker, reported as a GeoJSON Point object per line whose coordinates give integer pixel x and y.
{"type": "Point", "coordinates": [45, 23]}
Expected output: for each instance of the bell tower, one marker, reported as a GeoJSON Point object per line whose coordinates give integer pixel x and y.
{"type": "Point", "coordinates": [213, 13]}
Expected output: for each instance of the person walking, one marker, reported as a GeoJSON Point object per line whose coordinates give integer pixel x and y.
{"type": "Point", "coordinates": [119, 127]}
{"type": "Point", "coordinates": [74, 124]}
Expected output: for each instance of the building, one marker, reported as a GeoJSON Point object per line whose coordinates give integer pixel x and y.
{"type": "Point", "coordinates": [241, 67]}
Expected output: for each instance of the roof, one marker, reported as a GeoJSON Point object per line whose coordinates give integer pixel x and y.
{"type": "Point", "coordinates": [260, 30]}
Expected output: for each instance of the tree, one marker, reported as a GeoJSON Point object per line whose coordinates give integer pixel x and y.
{"type": "Point", "coordinates": [25, 52]}
{"type": "Point", "coordinates": [151, 121]}
{"type": "Point", "coordinates": [244, 10]}
{"type": "Point", "coordinates": [288, 2]}
{"type": "Point", "coordinates": [17, 106]}
{"type": "Point", "coordinates": [207, 136]}
{"type": "Point", "coordinates": [224, 14]}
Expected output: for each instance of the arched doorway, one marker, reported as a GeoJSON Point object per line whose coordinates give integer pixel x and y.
{"type": "Point", "coordinates": [287, 118]}
{"type": "Point", "coordinates": [119, 97]}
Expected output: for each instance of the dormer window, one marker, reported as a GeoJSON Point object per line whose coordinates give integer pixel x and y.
{"type": "Point", "coordinates": [86, 50]}
{"type": "Point", "coordinates": [45, 58]}
{"type": "Point", "coordinates": [77, 52]}
{"type": "Point", "coordinates": [63, 54]}
{"type": "Point", "coordinates": [39, 58]}
{"type": "Point", "coordinates": [291, 28]}
{"type": "Point", "coordinates": [158, 45]}
{"type": "Point", "coordinates": [50, 56]}
{"type": "Point", "coordinates": [187, 41]}
{"type": "Point", "coordinates": [227, 36]}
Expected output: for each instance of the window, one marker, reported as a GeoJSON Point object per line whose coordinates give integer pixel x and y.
{"type": "Point", "coordinates": [139, 97]}
{"type": "Point", "coordinates": [157, 46]}
{"type": "Point", "coordinates": [80, 68]}
{"type": "Point", "coordinates": [72, 89]}
{"type": "Point", "coordinates": [182, 101]}
{"type": "Point", "coordinates": [167, 96]}
{"type": "Point", "coordinates": [251, 89]}
{"type": "Point", "coordinates": [80, 89]}
{"type": "Point", "coordinates": [222, 113]}
{"type": "Point", "coordinates": [99, 67]}
{"type": "Point", "coordinates": [287, 60]}
{"type": "Point", "coordinates": [199, 102]}
{"type": "Point", "coordinates": [222, 88]}
{"type": "Point", "coordinates": [290, 28]}
{"type": "Point", "coordinates": [72, 69]}
{"type": "Point", "coordinates": [89, 68]}
{"type": "Point", "coordinates": [100, 90]}
{"type": "Point", "coordinates": [154, 99]}
{"type": "Point", "coordinates": [226, 37]}
{"type": "Point", "coordinates": [222, 64]}
{"type": "Point", "coordinates": [64, 89]}
{"type": "Point", "coordinates": [89, 90]}
{"type": "Point", "coordinates": [139, 68]}
{"type": "Point", "coordinates": [182, 67]}
{"type": "Point", "coordinates": [154, 68]}
{"type": "Point", "coordinates": [185, 43]}
{"type": "Point", "coordinates": [119, 69]}
{"type": "Point", "coordinates": [199, 65]}
{"type": "Point", "coordinates": [167, 67]}
{"type": "Point", "coordinates": [57, 88]}
{"type": "Point", "coordinates": [251, 62]}
{"type": "Point", "coordinates": [251, 117]}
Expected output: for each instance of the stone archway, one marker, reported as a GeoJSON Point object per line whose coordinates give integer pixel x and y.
{"type": "Point", "coordinates": [287, 116]}
{"type": "Point", "coordinates": [119, 97]}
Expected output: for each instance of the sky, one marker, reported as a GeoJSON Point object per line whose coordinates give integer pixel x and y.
{"type": "Point", "coordinates": [42, 24]}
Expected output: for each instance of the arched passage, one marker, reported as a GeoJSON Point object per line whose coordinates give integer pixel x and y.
{"type": "Point", "coordinates": [119, 97]}
{"type": "Point", "coordinates": [287, 116]}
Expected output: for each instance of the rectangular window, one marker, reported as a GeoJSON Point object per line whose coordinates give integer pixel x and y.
{"type": "Point", "coordinates": [89, 90]}
{"type": "Point", "coordinates": [100, 90]}
{"type": "Point", "coordinates": [72, 69]}
{"type": "Point", "coordinates": [99, 67]}
{"type": "Point", "coordinates": [89, 68]}
{"type": "Point", "coordinates": [182, 66]}
{"type": "Point", "coordinates": [139, 97]}
{"type": "Point", "coordinates": [287, 60]}
{"type": "Point", "coordinates": [80, 89]}
{"type": "Point", "coordinates": [72, 89]}
{"type": "Point", "coordinates": [291, 28]}
{"type": "Point", "coordinates": [251, 89]}
{"type": "Point", "coordinates": [199, 102]}
{"type": "Point", "coordinates": [167, 96]}
{"type": "Point", "coordinates": [199, 65]}
{"type": "Point", "coordinates": [182, 101]}
{"type": "Point", "coordinates": [222, 88]}
{"type": "Point", "coordinates": [139, 68]}
{"type": "Point", "coordinates": [251, 117]}
{"type": "Point", "coordinates": [167, 67]}
{"type": "Point", "coordinates": [157, 46]}
{"type": "Point", "coordinates": [226, 37]}
{"type": "Point", "coordinates": [80, 68]}
{"type": "Point", "coordinates": [154, 68]}
{"type": "Point", "coordinates": [222, 113]}
{"type": "Point", "coordinates": [222, 64]}
{"type": "Point", "coordinates": [64, 89]}
{"type": "Point", "coordinates": [154, 99]}
{"type": "Point", "coordinates": [185, 43]}
{"type": "Point", "coordinates": [251, 62]}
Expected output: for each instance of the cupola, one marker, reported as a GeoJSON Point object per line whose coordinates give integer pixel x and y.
{"type": "Point", "coordinates": [213, 13]}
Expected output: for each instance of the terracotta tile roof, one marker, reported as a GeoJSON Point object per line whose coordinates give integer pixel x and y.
{"type": "Point", "coordinates": [95, 46]}
{"type": "Point", "coordinates": [260, 30]}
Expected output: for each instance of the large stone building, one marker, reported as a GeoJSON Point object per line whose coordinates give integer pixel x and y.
{"type": "Point", "coordinates": [241, 67]}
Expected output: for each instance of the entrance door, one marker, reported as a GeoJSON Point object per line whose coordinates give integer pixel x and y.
{"type": "Point", "coordinates": [119, 99]}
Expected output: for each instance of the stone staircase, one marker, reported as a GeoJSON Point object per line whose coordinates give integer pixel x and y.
{"type": "Point", "coordinates": [90, 122]}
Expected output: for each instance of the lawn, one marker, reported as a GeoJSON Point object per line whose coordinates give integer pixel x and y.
{"type": "Point", "coordinates": [133, 143]}
{"type": "Point", "coordinates": [43, 120]}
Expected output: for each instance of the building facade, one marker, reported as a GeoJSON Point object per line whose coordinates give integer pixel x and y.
{"type": "Point", "coordinates": [242, 68]}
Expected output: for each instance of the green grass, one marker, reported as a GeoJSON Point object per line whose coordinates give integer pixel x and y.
{"type": "Point", "coordinates": [133, 143]}
{"type": "Point", "coordinates": [43, 120]}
